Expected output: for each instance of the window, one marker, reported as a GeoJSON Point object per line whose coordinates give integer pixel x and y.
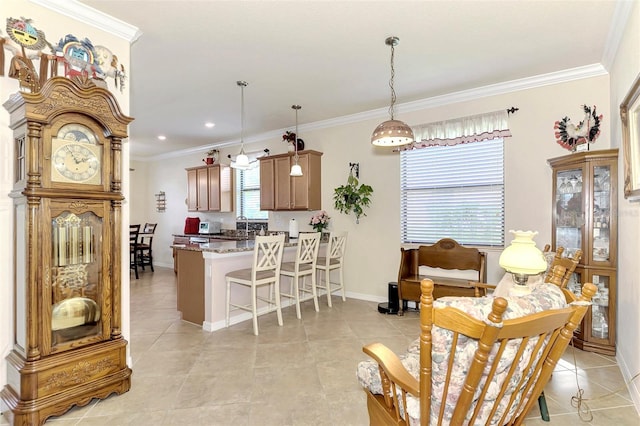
{"type": "Point", "coordinates": [248, 194]}
{"type": "Point", "coordinates": [453, 191]}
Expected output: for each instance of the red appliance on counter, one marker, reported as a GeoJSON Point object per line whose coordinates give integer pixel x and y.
{"type": "Point", "coordinates": [191, 225]}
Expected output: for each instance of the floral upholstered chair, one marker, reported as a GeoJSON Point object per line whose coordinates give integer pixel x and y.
{"type": "Point", "coordinates": [477, 361]}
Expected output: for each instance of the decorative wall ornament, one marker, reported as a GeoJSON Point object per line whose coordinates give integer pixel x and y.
{"type": "Point", "coordinates": [570, 135]}
{"type": "Point", "coordinates": [352, 197]}
{"type": "Point", "coordinates": [79, 58]}
{"type": "Point", "coordinates": [25, 35]}
{"type": "Point", "coordinates": [108, 62]}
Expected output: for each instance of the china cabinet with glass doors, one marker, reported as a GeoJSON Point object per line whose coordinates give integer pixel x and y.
{"type": "Point", "coordinates": [585, 217]}
{"type": "Point", "coordinates": [68, 346]}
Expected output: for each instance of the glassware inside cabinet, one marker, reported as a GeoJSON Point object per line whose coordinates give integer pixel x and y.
{"type": "Point", "coordinates": [569, 211]}
{"type": "Point", "coordinates": [600, 308]}
{"type": "Point", "coordinates": [601, 213]}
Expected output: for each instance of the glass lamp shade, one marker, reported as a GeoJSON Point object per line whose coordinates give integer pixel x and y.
{"type": "Point", "coordinates": [296, 170]}
{"type": "Point", "coordinates": [522, 257]}
{"type": "Point", "coordinates": [242, 161]}
{"type": "Point", "coordinates": [392, 133]}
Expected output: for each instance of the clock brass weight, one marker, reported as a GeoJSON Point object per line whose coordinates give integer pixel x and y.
{"type": "Point", "coordinates": [68, 347]}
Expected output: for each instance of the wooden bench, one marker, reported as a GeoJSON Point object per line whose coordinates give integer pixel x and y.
{"type": "Point", "coordinates": [445, 254]}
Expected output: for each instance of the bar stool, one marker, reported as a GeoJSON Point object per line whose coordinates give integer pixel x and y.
{"type": "Point", "coordinates": [304, 265]}
{"type": "Point", "coordinates": [332, 261]}
{"type": "Point", "coordinates": [265, 271]}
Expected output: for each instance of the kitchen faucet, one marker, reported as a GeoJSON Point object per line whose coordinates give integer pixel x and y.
{"type": "Point", "coordinates": [246, 224]}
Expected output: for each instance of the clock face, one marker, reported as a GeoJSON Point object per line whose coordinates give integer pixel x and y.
{"type": "Point", "coordinates": [76, 155]}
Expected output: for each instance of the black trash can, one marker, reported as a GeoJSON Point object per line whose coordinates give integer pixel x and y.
{"type": "Point", "coordinates": [392, 306]}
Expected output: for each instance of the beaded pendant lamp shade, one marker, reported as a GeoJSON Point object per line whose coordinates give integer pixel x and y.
{"type": "Point", "coordinates": [392, 132]}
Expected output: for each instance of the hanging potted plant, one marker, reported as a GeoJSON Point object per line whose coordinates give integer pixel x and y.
{"type": "Point", "coordinates": [352, 197]}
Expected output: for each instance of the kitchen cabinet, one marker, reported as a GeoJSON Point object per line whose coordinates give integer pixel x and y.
{"type": "Point", "coordinates": [190, 288]}
{"type": "Point", "coordinates": [585, 217]}
{"type": "Point", "coordinates": [279, 191]}
{"type": "Point", "coordinates": [210, 188]}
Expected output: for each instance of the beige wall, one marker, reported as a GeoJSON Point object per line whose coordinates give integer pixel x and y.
{"type": "Point", "coordinates": [373, 245]}
{"type": "Point", "coordinates": [54, 26]}
{"type": "Point", "coordinates": [623, 72]}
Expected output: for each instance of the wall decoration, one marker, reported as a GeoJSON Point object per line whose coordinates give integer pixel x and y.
{"type": "Point", "coordinates": [24, 34]}
{"type": "Point", "coordinates": [570, 135]}
{"type": "Point", "coordinates": [79, 58]}
{"type": "Point", "coordinates": [108, 62]}
{"type": "Point", "coordinates": [630, 115]}
{"type": "Point", "coordinates": [352, 197]}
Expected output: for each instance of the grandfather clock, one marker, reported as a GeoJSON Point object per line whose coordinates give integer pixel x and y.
{"type": "Point", "coordinates": [67, 201]}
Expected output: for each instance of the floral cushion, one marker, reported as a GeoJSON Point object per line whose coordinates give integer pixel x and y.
{"type": "Point", "coordinates": [543, 297]}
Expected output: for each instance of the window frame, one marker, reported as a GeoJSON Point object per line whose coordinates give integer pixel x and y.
{"type": "Point", "coordinates": [241, 190]}
{"type": "Point", "coordinates": [439, 167]}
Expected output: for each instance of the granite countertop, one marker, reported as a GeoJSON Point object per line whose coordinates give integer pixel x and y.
{"type": "Point", "coordinates": [222, 247]}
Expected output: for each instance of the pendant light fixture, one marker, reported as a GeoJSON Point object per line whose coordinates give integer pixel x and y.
{"type": "Point", "coordinates": [296, 170]}
{"type": "Point", "coordinates": [392, 132]}
{"type": "Point", "coordinates": [242, 161]}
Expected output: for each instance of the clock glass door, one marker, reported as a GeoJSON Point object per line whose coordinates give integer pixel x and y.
{"type": "Point", "coordinates": [76, 278]}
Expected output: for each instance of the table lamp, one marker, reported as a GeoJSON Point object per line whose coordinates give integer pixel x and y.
{"type": "Point", "coordinates": [522, 258]}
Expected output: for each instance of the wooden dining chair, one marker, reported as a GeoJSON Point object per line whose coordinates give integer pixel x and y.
{"type": "Point", "coordinates": [303, 266]}
{"type": "Point", "coordinates": [333, 260]}
{"type": "Point", "coordinates": [134, 231]}
{"type": "Point", "coordinates": [264, 271]}
{"type": "Point", "coordinates": [145, 245]}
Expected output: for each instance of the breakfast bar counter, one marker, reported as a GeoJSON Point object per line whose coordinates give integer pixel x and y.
{"type": "Point", "coordinates": [202, 287]}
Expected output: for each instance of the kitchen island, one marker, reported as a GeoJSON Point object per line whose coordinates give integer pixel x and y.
{"type": "Point", "coordinates": [201, 293]}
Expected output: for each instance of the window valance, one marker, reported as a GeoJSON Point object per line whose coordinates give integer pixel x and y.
{"type": "Point", "coordinates": [474, 128]}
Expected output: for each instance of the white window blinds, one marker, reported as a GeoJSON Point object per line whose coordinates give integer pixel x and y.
{"type": "Point", "coordinates": [453, 191]}
{"type": "Point", "coordinates": [248, 190]}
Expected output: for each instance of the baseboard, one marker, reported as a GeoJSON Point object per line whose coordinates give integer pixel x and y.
{"type": "Point", "coordinates": [634, 386]}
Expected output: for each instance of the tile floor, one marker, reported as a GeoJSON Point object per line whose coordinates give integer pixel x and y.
{"type": "Point", "coordinates": [300, 374]}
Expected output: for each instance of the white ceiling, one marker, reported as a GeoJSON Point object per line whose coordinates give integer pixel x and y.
{"type": "Point", "coordinates": [330, 57]}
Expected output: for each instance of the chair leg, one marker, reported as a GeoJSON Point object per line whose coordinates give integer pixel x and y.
{"type": "Point", "coordinates": [344, 297]}
{"type": "Point", "coordinates": [228, 302]}
{"type": "Point", "coordinates": [151, 260]}
{"type": "Point", "coordinates": [278, 306]}
{"type": "Point", "coordinates": [314, 292]}
{"type": "Point", "coordinates": [296, 294]}
{"type": "Point", "coordinates": [254, 311]}
{"type": "Point", "coordinates": [327, 276]}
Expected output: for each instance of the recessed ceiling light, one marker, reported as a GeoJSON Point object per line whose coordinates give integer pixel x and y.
{"type": "Point", "coordinates": [209, 124]}
{"type": "Point", "coordinates": [162, 137]}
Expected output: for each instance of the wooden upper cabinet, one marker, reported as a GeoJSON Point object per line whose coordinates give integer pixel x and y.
{"type": "Point", "coordinates": [192, 190]}
{"type": "Point", "coordinates": [279, 191]}
{"type": "Point", "coordinates": [213, 190]}
{"type": "Point", "coordinates": [202, 178]}
{"type": "Point", "coordinates": [210, 189]}
{"type": "Point", "coordinates": [267, 185]}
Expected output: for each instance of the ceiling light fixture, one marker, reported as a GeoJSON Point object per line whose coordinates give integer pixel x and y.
{"type": "Point", "coordinates": [241, 161]}
{"type": "Point", "coordinates": [162, 137]}
{"type": "Point", "coordinates": [296, 170]}
{"type": "Point", "coordinates": [209, 124]}
{"type": "Point", "coordinates": [392, 132]}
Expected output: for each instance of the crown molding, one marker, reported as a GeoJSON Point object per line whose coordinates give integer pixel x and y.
{"type": "Point", "coordinates": [83, 13]}
{"type": "Point", "coordinates": [572, 74]}
{"type": "Point", "coordinates": [618, 25]}
{"type": "Point", "coordinates": [557, 77]}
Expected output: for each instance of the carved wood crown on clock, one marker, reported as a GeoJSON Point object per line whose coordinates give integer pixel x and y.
{"type": "Point", "coordinates": [59, 95]}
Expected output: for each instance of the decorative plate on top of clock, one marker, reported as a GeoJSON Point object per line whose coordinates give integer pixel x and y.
{"type": "Point", "coordinates": [76, 156]}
